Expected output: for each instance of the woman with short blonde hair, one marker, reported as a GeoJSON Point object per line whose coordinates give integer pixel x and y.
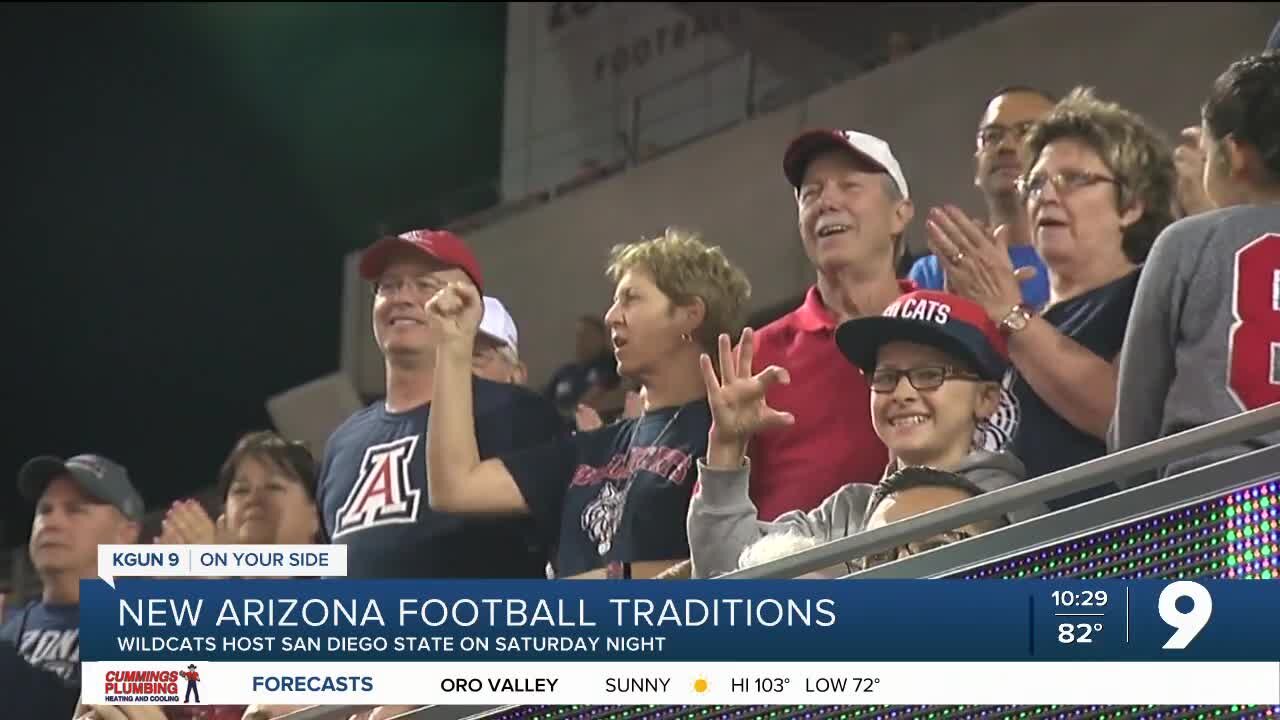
{"type": "Point", "coordinates": [613, 501]}
{"type": "Point", "coordinates": [687, 271]}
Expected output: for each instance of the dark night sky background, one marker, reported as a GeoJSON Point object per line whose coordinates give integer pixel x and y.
{"type": "Point", "coordinates": [180, 186]}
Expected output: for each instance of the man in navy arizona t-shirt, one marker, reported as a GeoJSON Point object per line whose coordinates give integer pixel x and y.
{"type": "Point", "coordinates": [372, 489]}
{"type": "Point", "coordinates": [373, 492]}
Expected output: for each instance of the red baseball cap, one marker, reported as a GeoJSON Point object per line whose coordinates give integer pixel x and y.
{"type": "Point", "coordinates": [440, 245]}
{"type": "Point", "coordinates": [948, 322]}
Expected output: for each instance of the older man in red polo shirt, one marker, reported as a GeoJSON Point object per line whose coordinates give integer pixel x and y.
{"type": "Point", "coordinates": [853, 207]}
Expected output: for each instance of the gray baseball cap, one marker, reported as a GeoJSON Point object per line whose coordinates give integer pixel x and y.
{"type": "Point", "coordinates": [100, 477]}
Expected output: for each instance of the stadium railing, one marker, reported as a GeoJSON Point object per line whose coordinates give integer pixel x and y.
{"type": "Point", "coordinates": [1119, 466]}
{"type": "Point", "coordinates": [1151, 503]}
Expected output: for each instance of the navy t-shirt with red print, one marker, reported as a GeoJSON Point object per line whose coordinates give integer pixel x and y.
{"type": "Point", "coordinates": [618, 494]}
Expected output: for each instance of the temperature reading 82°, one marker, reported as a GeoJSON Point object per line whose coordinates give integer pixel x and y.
{"type": "Point", "coordinates": [1069, 633]}
{"type": "Point", "coordinates": [1187, 624]}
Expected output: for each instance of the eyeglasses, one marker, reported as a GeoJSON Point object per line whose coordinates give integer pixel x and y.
{"type": "Point", "coordinates": [424, 286]}
{"type": "Point", "coordinates": [993, 135]}
{"type": "Point", "coordinates": [885, 380]}
{"type": "Point", "coordinates": [1064, 182]}
{"type": "Point", "coordinates": [915, 548]}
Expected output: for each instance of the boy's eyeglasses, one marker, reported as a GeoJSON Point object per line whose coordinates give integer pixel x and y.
{"type": "Point", "coordinates": [885, 380]}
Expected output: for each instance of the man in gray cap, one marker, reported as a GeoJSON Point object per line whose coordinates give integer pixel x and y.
{"type": "Point", "coordinates": [81, 503]}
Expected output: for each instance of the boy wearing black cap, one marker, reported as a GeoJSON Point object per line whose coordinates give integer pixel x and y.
{"type": "Point", "coordinates": [934, 362]}
{"type": "Point", "coordinates": [81, 503]}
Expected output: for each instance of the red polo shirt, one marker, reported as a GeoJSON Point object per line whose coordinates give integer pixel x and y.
{"type": "Point", "coordinates": [832, 442]}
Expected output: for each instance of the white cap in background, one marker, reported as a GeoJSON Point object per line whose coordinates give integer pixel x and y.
{"type": "Point", "coordinates": [498, 324]}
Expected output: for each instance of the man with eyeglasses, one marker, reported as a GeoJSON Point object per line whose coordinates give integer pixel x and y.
{"type": "Point", "coordinates": [373, 481]}
{"type": "Point", "coordinates": [1000, 160]}
{"type": "Point", "coordinates": [934, 361]}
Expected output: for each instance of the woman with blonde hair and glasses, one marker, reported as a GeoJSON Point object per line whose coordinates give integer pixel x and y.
{"type": "Point", "coordinates": [1098, 191]}
{"type": "Point", "coordinates": [612, 500]}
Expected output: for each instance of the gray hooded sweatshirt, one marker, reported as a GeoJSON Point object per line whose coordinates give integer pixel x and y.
{"type": "Point", "coordinates": [723, 521]}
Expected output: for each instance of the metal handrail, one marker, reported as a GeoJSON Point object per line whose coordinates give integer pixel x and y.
{"type": "Point", "coordinates": [1150, 499]}
{"type": "Point", "coordinates": [1086, 475]}
{"type": "Point", "coordinates": [1055, 527]}
{"type": "Point", "coordinates": [1146, 501]}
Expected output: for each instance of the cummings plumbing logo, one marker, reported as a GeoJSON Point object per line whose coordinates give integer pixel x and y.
{"type": "Point", "coordinates": [152, 686]}
{"type": "Point", "coordinates": [142, 686]}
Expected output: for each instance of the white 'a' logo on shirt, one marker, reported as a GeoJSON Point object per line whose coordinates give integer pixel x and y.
{"type": "Point", "coordinates": [382, 494]}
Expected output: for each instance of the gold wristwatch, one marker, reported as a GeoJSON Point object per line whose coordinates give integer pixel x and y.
{"type": "Point", "coordinates": [1015, 320]}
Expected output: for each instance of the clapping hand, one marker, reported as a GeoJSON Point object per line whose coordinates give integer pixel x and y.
{"type": "Point", "coordinates": [737, 399]}
{"type": "Point", "coordinates": [187, 523]}
{"type": "Point", "coordinates": [976, 262]}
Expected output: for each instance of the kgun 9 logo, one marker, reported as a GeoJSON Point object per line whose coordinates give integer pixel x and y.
{"type": "Point", "coordinates": [1188, 624]}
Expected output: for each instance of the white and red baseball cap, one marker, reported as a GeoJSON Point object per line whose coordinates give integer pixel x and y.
{"type": "Point", "coordinates": [808, 145]}
{"type": "Point", "coordinates": [951, 323]}
{"type": "Point", "coordinates": [498, 324]}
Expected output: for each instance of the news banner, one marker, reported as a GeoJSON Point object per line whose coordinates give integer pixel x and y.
{"type": "Point", "coordinates": [281, 624]}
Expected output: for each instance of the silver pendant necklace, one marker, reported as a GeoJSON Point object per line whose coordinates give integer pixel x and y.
{"type": "Point", "coordinates": [606, 543]}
